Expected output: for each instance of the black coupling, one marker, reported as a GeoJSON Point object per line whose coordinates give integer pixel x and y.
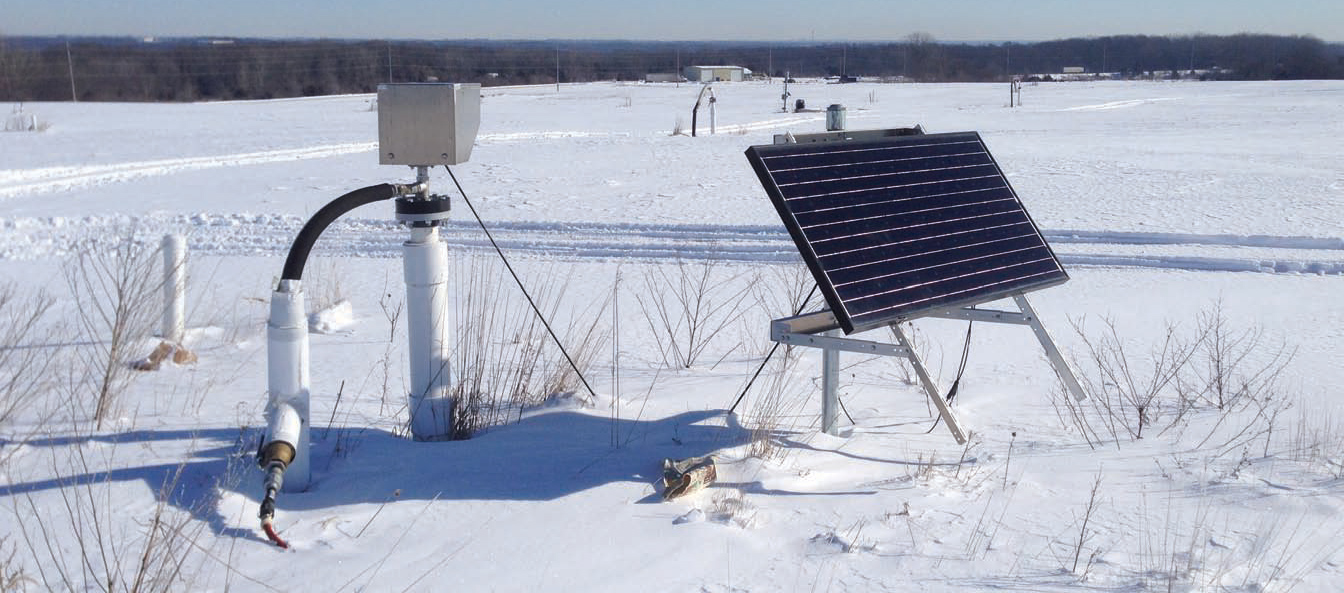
{"type": "Point", "coordinates": [423, 213]}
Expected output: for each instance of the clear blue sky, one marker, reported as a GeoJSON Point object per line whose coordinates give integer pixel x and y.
{"type": "Point", "coordinates": [780, 20]}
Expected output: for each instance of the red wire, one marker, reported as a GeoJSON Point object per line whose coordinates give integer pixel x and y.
{"type": "Point", "coordinates": [272, 535]}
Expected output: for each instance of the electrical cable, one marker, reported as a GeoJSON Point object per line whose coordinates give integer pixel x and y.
{"type": "Point", "coordinates": [516, 279]}
{"type": "Point", "coordinates": [961, 369]}
{"type": "Point", "coordinates": [844, 409]}
{"type": "Point", "coordinates": [275, 472]}
{"type": "Point", "coordinates": [269, 527]}
{"type": "Point", "coordinates": [770, 354]}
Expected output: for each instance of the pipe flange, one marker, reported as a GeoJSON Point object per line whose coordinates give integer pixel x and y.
{"type": "Point", "coordinates": [421, 213]}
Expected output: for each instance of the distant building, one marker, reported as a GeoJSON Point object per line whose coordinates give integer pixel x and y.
{"type": "Point", "coordinates": [716, 73]}
{"type": "Point", "coordinates": [1074, 70]}
{"type": "Point", "coordinates": [662, 77]}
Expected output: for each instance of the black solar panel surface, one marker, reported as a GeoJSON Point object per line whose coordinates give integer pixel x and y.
{"type": "Point", "coordinates": [896, 227]}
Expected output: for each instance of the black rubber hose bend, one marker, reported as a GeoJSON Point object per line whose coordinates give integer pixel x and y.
{"type": "Point", "coordinates": [298, 252]}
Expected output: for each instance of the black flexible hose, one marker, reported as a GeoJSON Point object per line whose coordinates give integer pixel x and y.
{"type": "Point", "coordinates": [303, 243]}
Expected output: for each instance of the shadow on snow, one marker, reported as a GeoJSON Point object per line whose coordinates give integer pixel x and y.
{"type": "Point", "coordinates": [543, 457]}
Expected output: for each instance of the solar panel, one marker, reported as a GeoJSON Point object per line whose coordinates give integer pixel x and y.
{"type": "Point", "coordinates": [897, 227]}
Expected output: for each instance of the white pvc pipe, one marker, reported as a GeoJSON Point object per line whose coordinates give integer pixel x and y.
{"type": "Point", "coordinates": [174, 288]}
{"type": "Point", "coordinates": [426, 270]}
{"type": "Point", "coordinates": [287, 380]}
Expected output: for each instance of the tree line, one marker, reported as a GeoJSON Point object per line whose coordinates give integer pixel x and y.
{"type": "Point", "coordinates": [122, 69]}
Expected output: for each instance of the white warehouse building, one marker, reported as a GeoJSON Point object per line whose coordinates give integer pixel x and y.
{"type": "Point", "coordinates": [716, 73]}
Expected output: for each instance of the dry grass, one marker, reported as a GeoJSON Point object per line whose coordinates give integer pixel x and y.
{"type": "Point", "coordinates": [503, 360]}
{"type": "Point", "coordinates": [776, 407]}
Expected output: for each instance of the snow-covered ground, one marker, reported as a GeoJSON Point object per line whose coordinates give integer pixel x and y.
{"type": "Point", "coordinates": [1163, 200]}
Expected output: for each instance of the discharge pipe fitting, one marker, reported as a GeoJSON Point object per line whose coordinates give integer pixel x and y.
{"type": "Point", "coordinates": [284, 448]}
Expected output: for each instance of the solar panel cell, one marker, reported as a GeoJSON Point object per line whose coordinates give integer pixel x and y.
{"type": "Point", "coordinates": [903, 225]}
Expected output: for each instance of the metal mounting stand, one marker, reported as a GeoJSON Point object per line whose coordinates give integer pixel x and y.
{"type": "Point", "coordinates": [820, 330]}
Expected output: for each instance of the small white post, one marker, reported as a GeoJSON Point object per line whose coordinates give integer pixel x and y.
{"type": "Point", "coordinates": [830, 385]}
{"type": "Point", "coordinates": [174, 288]}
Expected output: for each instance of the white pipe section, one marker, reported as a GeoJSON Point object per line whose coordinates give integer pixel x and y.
{"type": "Point", "coordinates": [425, 263]}
{"type": "Point", "coordinates": [174, 288]}
{"type": "Point", "coordinates": [287, 380]}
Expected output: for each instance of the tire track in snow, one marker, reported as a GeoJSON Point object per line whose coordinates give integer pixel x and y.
{"type": "Point", "coordinates": [18, 182]}
{"type": "Point", "coordinates": [23, 182]}
{"type": "Point", "coordinates": [1119, 104]}
{"type": "Point", "coordinates": [261, 234]}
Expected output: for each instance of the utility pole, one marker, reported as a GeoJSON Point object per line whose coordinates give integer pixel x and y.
{"type": "Point", "coordinates": [389, 62]}
{"type": "Point", "coordinates": [71, 65]}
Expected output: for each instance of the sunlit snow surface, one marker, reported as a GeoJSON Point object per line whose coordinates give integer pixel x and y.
{"type": "Point", "coordinates": [1161, 199]}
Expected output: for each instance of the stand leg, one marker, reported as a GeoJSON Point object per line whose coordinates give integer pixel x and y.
{"type": "Point", "coordinates": [830, 380]}
{"type": "Point", "coordinates": [929, 387]}
{"type": "Point", "coordinates": [1057, 360]}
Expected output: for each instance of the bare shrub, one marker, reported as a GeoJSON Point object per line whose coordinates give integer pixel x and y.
{"type": "Point", "coordinates": [1237, 373]}
{"type": "Point", "coordinates": [687, 305]}
{"type": "Point", "coordinates": [1219, 371]}
{"type": "Point", "coordinates": [115, 293]}
{"type": "Point", "coordinates": [1129, 392]}
{"type": "Point", "coordinates": [23, 362]}
{"type": "Point", "coordinates": [678, 128]}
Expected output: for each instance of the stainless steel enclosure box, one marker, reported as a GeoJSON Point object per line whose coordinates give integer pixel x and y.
{"type": "Point", "coordinates": [427, 124]}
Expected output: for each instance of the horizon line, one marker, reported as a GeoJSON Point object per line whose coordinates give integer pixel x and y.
{"type": "Point", "coordinates": [800, 41]}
